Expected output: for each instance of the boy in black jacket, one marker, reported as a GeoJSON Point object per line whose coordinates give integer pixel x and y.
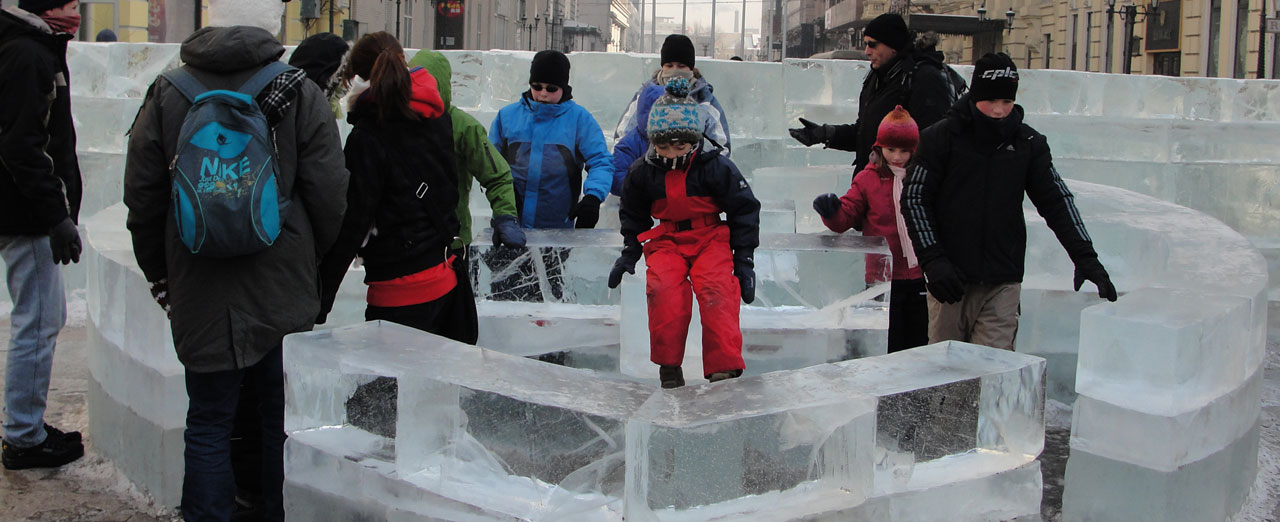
{"type": "Point", "coordinates": [963, 204]}
{"type": "Point", "coordinates": [691, 249]}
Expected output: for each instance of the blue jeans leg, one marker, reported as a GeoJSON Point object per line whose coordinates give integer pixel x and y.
{"type": "Point", "coordinates": [39, 311]}
{"type": "Point", "coordinates": [209, 489]}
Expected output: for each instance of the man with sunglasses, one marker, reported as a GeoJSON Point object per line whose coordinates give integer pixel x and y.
{"type": "Point", "coordinates": [894, 80]}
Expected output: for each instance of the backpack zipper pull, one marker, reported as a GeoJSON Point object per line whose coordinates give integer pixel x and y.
{"type": "Point", "coordinates": [173, 163]}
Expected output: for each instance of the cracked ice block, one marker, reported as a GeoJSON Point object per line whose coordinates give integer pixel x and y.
{"type": "Point", "coordinates": [694, 453]}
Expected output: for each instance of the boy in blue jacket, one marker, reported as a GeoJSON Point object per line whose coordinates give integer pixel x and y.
{"type": "Point", "coordinates": [547, 139]}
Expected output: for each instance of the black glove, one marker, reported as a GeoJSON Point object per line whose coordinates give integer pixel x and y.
{"type": "Point", "coordinates": [744, 268]}
{"type": "Point", "coordinates": [506, 232]}
{"type": "Point", "coordinates": [160, 292]}
{"type": "Point", "coordinates": [1090, 269]}
{"type": "Point", "coordinates": [811, 133]}
{"type": "Point", "coordinates": [827, 205]}
{"type": "Point", "coordinates": [587, 213]}
{"type": "Point", "coordinates": [944, 280]}
{"type": "Point", "coordinates": [623, 264]}
{"type": "Point", "coordinates": [64, 240]}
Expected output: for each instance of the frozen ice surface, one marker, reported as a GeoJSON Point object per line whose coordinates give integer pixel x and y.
{"type": "Point", "coordinates": [800, 185]}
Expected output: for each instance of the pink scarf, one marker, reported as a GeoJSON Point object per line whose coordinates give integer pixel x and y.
{"type": "Point", "coordinates": [898, 174]}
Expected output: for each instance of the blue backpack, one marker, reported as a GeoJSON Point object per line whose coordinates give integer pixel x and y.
{"type": "Point", "coordinates": [226, 200]}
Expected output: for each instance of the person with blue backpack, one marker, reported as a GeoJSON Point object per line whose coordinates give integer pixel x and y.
{"type": "Point", "coordinates": [236, 188]}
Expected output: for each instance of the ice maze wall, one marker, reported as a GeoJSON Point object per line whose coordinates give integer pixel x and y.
{"type": "Point", "coordinates": [1185, 257]}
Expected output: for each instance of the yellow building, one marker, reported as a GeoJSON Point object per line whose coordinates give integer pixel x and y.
{"type": "Point", "coordinates": [174, 20]}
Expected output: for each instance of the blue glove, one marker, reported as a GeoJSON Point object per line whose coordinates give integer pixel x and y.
{"type": "Point", "coordinates": [506, 232]}
{"type": "Point", "coordinates": [827, 205]}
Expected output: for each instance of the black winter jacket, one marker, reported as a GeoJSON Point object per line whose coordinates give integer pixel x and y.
{"type": "Point", "coordinates": [962, 197]}
{"type": "Point", "coordinates": [39, 174]}
{"type": "Point", "coordinates": [922, 91]}
{"type": "Point", "coordinates": [389, 160]}
{"type": "Point", "coordinates": [711, 176]}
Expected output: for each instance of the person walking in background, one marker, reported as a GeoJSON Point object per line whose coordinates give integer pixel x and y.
{"type": "Point", "coordinates": [686, 186]}
{"type": "Point", "coordinates": [678, 59]}
{"type": "Point", "coordinates": [547, 139]}
{"type": "Point", "coordinates": [963, 205]}
{"type": "Point", "coordinates": [401, 217]}
{"type": "Point", "coordinates": [40, 192]}
{"type": "Point", "coordinates": [230, 314]}
{"type": "Point", "coordinates": [872, 206]}
{"type": "Point", "coordinates": [894, 80]}
{"type": "Point", "coordinates": [320, 56]}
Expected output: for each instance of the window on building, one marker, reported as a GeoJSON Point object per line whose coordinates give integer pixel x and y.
{"type": "Point", "coordinates": [1242, 39]}
{"type": "Point", "coordinates": [407, 42]}
{"type": "Point", "coordinates": [1215, 35]}
{"type": "Point", "coordinates": [1048, 49]}
{"type": "Point", "coordinates": [1075, 22]}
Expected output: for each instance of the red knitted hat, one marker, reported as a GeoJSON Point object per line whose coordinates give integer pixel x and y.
{"type": "Point", "coordinates": [898, 130]}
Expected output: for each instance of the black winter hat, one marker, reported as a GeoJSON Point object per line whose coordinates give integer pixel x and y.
{"type": "Point", "coordinates": [995, 77]}
{"type": "Point", "coordinates": [891, 29]}
{"type": "Point", "coordinates": [551, 67]}
{"type": "Point", "coordinates": [678, 48]}
{"type": "Point", "coordinates": [40, 6]}
{"type": "Point", "coordinates": [320, 56]}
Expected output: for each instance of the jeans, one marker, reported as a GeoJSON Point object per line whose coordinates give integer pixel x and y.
{"type": "Point", "coordinates": [209, 488]}
{"type": "Point", "coordinates": [39, 311]}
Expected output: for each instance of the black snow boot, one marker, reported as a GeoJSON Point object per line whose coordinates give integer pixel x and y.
{"type": "Point", "coordinates": [671, 376]}
{"type": "Point", "coordinates": [720, 376]}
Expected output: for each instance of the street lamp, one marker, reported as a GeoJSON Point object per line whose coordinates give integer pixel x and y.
{"type": "Point", "coordinates": [1008, 15]}
{"type": "Point", "coordinates": [982, 13]}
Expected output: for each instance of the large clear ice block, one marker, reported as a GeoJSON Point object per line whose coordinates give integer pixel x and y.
{"type": "Point", "coordinates": [800, 185]}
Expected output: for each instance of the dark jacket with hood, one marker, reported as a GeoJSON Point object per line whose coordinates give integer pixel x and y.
{"type": "Point", "coordinates": [39, 173]}
{"type": "Point", "coordinates": [475, 156]}
{"type": "Point", "coordinates": [962, 198]}
{"type": "Point", "coordinates": [922, 91]}
{"type": "Point", "coordinates": [391, 157]}
{"type": "Point", "coordinates": [229, 312]}
{"type": "Point", "coordinates": [712, 178]}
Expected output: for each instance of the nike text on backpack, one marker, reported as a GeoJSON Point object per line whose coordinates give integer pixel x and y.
{"type": "Point", "coordinates": [225, 195]}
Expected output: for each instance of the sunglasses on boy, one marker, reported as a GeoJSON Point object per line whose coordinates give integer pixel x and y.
{"type": "Point", "coordinates": [544, 87]}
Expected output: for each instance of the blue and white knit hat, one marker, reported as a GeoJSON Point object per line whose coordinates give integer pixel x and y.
{"type": "Point", "coordinates": [674, 116]}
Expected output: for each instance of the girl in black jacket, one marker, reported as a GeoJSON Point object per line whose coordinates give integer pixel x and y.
{"type": "Point", "coordinates": [403, 190]}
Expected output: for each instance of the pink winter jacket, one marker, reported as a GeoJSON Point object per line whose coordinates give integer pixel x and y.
{"type": "Point", "coordinates": [868, 206]}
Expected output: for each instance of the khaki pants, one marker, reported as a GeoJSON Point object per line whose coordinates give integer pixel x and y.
{"type": "Point", "coordinates": [987, 315]}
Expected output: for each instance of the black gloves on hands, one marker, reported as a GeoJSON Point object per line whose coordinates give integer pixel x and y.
{"type": "Point", "coordinates": [944, 280]}
{"type": "Point", "coordinates": [587, 213]}
{"type": "Point", "coordinates": [827, 205]}
{"type": "Point", "coordinates": [160, 292]}
{"type": "Point", "coordinates": [811, 133]}
{"type": "Point", "coordinates": [506, 232]}
{"type": "Point", "coordinates": [1091, 270]}
{"type": "Point", "coordinates": [623, 264]}
{"type": "Point", "coordinates": [64, 240]}
{"type": "Point", "coordinates": [744, 268]}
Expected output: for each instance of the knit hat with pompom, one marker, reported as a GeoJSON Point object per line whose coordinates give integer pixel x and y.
{"type": "Point", "coordinates": [674, 116]}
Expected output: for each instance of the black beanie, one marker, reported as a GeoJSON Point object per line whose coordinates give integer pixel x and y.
{"type": "Point", "coordinates": [890, 29]}
{"type": "Point", "coordinates": [678, 48]}
{"type": "Point", "coordinates": [551, 67]}
{"type": "Point", "coordinates": [319, 56]}
{"type": "Point", "coordinates": [995, 77]}
{"type": "Point", "coordinates": [40, 6]}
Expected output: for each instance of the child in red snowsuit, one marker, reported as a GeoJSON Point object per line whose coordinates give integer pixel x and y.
{"type": "Point", "coordinates": [871, 205]}
{"type": "Point", "coordinates": [686, 185]}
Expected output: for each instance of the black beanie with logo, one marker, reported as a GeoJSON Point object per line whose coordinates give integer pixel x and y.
{"type": "Point", "coordinates": [995, 77]}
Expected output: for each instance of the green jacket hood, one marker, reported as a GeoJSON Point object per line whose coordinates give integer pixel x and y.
{"type": "Point", "coordinates": [436, 64]}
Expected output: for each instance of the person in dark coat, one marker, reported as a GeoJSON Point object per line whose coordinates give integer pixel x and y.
{"type": "Point", "coordinates": [39, 207]}
{"type": "Point", "coordinates": [894, 80]}
{"type": "Point", "coordinates": [691, 250]}
{"type": "Point", "coordinates": [229, 315]}
{"type": "Point", "coordinates": [320, 56]}
{"type": "Point", "coordinates": [962, 200]}
{"type": "Point", "coordinates": [400, 206]}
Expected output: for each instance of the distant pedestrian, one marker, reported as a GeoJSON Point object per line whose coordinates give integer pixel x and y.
{"type": "Point", "coordinates": [872, 206]}
{"type": "Point", "coordinates": [105, 35]}
{"type": "Point", "coordinates": [320, 57]}
{"type": "Point", "coordinates": [963, 202]}
{"type": "Point", "coordinates": [40, 191]}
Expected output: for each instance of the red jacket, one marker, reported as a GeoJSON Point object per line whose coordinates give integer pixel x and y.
{"type": "Point", "coordinates": [868, 206]}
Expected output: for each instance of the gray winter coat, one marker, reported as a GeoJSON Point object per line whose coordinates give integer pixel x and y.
{"type": "Point", "coordinates": [228, 313]}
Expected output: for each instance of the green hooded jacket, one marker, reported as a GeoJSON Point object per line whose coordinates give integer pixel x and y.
{"type": "Point", "coordinates": [476, 156]}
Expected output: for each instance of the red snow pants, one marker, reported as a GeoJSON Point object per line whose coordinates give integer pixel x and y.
{"type": "Point", "coordinates": [699, 260]}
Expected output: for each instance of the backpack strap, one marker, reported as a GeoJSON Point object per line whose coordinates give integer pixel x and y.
{"type": "Point", "coordinates": [186, 83]}
{"type": "Point", "coordinates": [262, 78]}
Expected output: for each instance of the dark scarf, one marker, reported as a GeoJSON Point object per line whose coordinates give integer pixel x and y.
{"type": "Point", "coordinates": [990, 132]}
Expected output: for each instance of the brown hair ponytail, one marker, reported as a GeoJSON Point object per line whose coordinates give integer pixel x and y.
{"type": "Point", "coordinates": [379, 58]}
